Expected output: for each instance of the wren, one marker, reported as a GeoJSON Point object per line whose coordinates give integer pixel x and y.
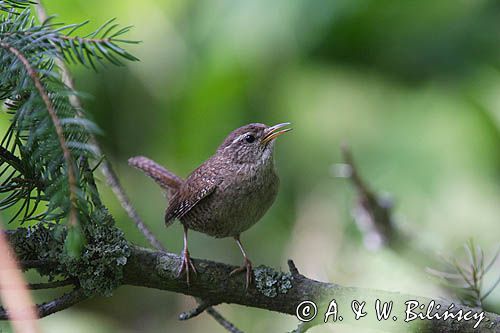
{"type": "Point", "coordinates": [225, 195]}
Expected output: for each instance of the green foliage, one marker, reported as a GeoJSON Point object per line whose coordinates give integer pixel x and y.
{"type": "Point", "coordinates": [34, 167]}
{"type": "Point", "coordinates": [99, 45]}
{"type": "Point", "coordinates": [9, 5]}
{"type": "Point", "coordinates": [464, 277]}
{"type": "Point", "coordinates": [45, 153]}
{"type": "Point", "coordinates": [99, 268]}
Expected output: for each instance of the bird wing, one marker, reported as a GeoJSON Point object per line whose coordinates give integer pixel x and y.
{"type": "Point", "coordinates": [199, 185]}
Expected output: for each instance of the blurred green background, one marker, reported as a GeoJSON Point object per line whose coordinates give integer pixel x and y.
{"type": "Point", "coordinates": [413, 88]}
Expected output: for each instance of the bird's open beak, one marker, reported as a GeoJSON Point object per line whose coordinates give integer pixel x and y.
{"type": "Point", "coordinates": [272, 132]}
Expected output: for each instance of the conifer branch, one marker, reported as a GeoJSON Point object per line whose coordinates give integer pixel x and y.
{"type": "Point", "coordinates": [106, 167]}
{"type": "Point", "coordinates": [8, 5]}
{"type": "Point", "coordinates": [73, 218]}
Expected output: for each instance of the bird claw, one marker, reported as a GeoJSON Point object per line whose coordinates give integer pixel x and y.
{"type": "Point", "coordinates": [186, 265]}
{"type": "Point", "coordinates": [247, 265]}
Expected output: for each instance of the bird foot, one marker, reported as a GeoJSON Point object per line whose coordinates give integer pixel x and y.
{"type": "Point", "coordinates": [247, 265]}
{"type": "Point", "coordinates": [186, 265]}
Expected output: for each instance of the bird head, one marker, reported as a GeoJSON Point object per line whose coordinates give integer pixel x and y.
{"type": "Point", "coordinates": [252, 143]}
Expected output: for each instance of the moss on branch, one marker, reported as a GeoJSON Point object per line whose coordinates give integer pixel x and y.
{"type": "Point", "coordinates": [99, 268]}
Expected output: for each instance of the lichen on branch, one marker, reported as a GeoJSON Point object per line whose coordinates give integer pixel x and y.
{"type": "Point", "coordinates": [99, 268]}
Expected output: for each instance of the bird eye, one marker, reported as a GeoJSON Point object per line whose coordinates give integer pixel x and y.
{"type": "Point", "coordinates": [249, 138]}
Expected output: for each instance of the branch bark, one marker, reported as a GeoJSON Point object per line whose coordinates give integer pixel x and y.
{"type": "Point", "coordinates": [61, 303]}
{"type": "Point", "coordinates": [153, 269]}
{"type": "Point", "coordinates": [282, 292]}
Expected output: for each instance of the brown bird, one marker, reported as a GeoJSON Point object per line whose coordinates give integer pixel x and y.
{"type": "Point", "coordinates": [225, 195]}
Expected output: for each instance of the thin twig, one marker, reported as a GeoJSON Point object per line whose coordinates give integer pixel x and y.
{"type": "Point", "coordinates": [222, 321]}
{"type": "Point", "coordinates": [26, 264]}
{"type": "Point", "coordinates": [61, 303]}
{"type": "Point", "coordinates": [373, 217]}
{"type": "Point", "coordinates": [207, 306]}
{"type": "Point", "coordinates": [51, 285]}
{"type": "Point", "coordinates": [202, 306]}
{"type": "Point", "coordinates": [292, 268]}
{"type": "Point", "coordinates": [304, 327]}
{"type": "Point", "coordinates": [44, 285]}
{"type": "Point", "coordinates": [114, 183]}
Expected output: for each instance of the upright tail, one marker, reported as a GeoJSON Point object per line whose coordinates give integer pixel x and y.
{"type": "Point", "coordinates": [166, 179]}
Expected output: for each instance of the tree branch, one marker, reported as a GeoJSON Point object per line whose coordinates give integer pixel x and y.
{"type": "Point", "coordinates": [158, 270]}
{"type": "Point", "coordinates": [374, 218]}
{"type": "Point", "coordinates": [281, 292]}
{"type": "Point", "coordinates": [52, 284]}
{"type": "Point", "coordinates": [222, 321]}
{"type": "Point", "coordinates": [372, 215]}
{"type": "Point", "coordinates": [202, 306]}
{"type": "Point", "coordinates": [56, 305]}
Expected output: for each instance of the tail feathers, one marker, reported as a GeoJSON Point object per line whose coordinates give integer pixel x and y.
{"type": "Point", "coordinates": [166, 179]}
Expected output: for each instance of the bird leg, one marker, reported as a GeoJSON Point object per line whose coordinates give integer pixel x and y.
{"type": "Point", "coordinates": [187, 263]}
{"type": "Point", "coordinates": [247, 264]}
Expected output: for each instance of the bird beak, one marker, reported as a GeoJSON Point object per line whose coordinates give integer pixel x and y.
{"type": "Point", "coordinates": [272, 132]}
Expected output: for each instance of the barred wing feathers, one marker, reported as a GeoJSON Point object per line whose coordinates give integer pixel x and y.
{"type": "Point", "coordinates": [199, 185]}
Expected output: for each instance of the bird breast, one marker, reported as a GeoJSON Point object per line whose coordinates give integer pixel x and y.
{"type": "Point", "coordinates": [241, 199]}
{"type": "Point", "coordinates": [251, 193]}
